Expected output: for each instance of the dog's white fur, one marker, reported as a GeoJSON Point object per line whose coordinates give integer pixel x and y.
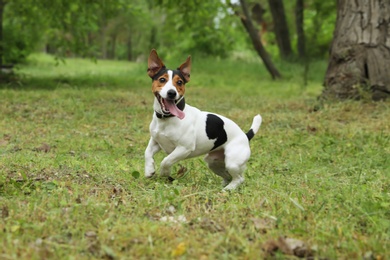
{"type": "Point", "coordinates": [187, 137]}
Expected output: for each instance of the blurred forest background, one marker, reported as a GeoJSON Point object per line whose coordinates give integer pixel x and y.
{"type": "Point", "coordinates": [128, 29]}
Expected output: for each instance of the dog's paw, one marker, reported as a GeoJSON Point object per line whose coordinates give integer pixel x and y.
{"type": "Point", "coordinates": [149, 170]}
{"type": "Point", "coordinates": [149, 175]}
{"type": "Point", "coordinates": [234, 184]}
{"type": "Point", "coordinates": [165, 171]}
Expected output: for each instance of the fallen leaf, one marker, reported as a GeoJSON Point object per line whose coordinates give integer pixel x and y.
{"type": "Point", "coordinates": [90, 234]}
{"type": "Point", "coordinates": [43, 148]}
{"type": "Point", "coordinates": [16, 149]}
{"type": "Point", "coordinates": [136, 174]}
{"type": "Point", "coordinates": [311, 129]}
{"type": "Point", "coordinates": [298, 247]}
{"type": "Point", "coordinates": [179, 250]}
{"type": "Point", "coordinates": [94, 247]}
{"type": "Point", "coordinates": [174, 219]}
{"type": "Point", "coordinates": [262, 224]}
{"type": "Point", "coordinates": [4, 212]}
{"type": "Point", "coordinates": [272, 246]}
{"type": "Point", "coordinates": [78, 199]}
{"type": "Point", "coordinates": [171, 209]}
{"type": "Point", "coordinates": [371, 256]}
{"type": "Point", "coordinates": [182, 170]}
{"type": "Point", "coordinates": [210, 225]}
{"type": "Point", "coordinates": [287, 246]}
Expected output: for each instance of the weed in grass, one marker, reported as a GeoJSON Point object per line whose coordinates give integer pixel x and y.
{"type": "Point", "coordinates": [72, 139]}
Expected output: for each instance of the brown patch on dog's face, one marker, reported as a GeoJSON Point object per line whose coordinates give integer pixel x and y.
{"type": "Point", "coordinates": [159, 83]}
{"type": "Point", "coordinates": [179, 85]}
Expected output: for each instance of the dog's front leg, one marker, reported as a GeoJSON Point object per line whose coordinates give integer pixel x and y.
{"type": "Point", "coordinates": [151, 150]}
{"type": "Point", "coordinates": [180, 153]}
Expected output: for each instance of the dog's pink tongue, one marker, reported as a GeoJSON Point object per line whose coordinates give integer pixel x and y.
{"type": "Point", "coordinates": [173, 109]}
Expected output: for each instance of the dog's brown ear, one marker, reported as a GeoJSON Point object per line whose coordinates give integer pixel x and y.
{"type": "Point", "coordinates": [155, 64]}
{"type": "Point", "coordinates": [185, 69]}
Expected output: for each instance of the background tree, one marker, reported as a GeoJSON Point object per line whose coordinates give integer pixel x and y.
{"type": "Point", "coordinates": [310, 24]}
{"type": "Point", "coordinates": [299, 24]}
{"type": "Point", "coordinates": [280, 28]}
{"type": "Point", "coordinates": [2, 4]}
{"type": "Point", "coordinates": [18, 32]}
{"type": "Point", "coordinates": [255, 37]}
{"type": "Point", "coordinates": [198, 27]}
{"type": "Point", "coordinates": [360, 52]}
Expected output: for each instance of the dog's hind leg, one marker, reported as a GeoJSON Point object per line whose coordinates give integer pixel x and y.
{"type": "Point", "coordinates": [216, 162]}
{"type": "Point", "coordinates": [236, 171]}
{"type": "Point", "coordinates": [236, 155]}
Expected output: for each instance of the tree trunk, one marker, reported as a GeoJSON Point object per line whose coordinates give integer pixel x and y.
{"type": "Point", "coordinates": [360, 52]}
{"type": "Point", "coordinates": [111, 54]}
{"type": "Point", "coordinates": [254, 35]}
{"type": "Point", "coordinates": [129, 48]}
{"type": "Point", "coordinates": [2, 4]}
{"type": "Point", "coordinates": [280, 28]}
{"type": "Point", "coordinates": [299, 28]}
{"type": "Point", "coordinates": [103, 41]}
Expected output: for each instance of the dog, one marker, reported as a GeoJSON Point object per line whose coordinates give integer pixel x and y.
{"type": "Point", "coordinates": [183, 131]}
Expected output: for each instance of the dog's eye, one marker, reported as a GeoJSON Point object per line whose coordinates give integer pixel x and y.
{"type": "Point", "coordinates": [179, 82]}
{"type": "Point", "coordinates": [162, 80]}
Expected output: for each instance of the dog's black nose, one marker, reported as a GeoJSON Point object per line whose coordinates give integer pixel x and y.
{"type": "Point", "coordinates": [171, 94]}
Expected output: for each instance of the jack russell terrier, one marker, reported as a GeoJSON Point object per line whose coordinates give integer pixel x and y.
{"type": "Point", "coordinates": [183, 131]}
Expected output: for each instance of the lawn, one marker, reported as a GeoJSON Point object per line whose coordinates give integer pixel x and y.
{"type": "Point", "coordinates": [72, 139]}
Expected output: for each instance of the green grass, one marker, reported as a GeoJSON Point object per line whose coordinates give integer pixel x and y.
{"type": "Point", "coordinates": [72, 139]}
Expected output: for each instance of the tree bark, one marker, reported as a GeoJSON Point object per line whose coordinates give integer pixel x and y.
{"type": "Point", "coordinates": [254, 35]}
{"type": "Point", "coordinates": [360, 52]}
{"type": "Point", "coordinates": [299, 28]}
{"type": "Point", "coordinates": [280, 28]}
{"type": "Point", "coordinates": [111, 54]}
{"type": "Point", "coordinates": [2, 4]}
{"type": "Point", "coordinates": [129, 48]}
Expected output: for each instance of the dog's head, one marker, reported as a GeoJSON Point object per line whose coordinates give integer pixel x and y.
{"type": "Point", "coordinates": [168, 85]}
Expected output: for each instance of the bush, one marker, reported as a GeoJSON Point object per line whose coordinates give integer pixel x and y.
{"type": "Point", "coordinates": [17, 43]}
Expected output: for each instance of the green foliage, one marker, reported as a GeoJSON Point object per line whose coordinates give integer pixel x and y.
{"type": "Point", "coordinates": [17, 46]}
{"type": "Point", "coordinates": [202, 27]}
{"type": "Point", "coordinates": [128, 29]}
{"type": "Point", "coordinates": [319, 23]}
{"type": "Point", "coordinates": [20, 35]}
{"type": "Point", "coordinates": [318, 171]}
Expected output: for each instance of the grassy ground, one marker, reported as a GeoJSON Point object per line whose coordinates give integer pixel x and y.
{"type": "Point", "coordinates": [72, 139]}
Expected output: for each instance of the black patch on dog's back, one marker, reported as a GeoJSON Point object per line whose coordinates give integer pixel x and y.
{"type": "Point", "coordinates": [215, 130]}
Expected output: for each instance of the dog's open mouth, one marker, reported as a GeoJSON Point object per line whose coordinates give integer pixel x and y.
{"type": "Point", "coordinates": [169, 107]}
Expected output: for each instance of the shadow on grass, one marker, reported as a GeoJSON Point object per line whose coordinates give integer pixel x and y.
{"type": "Point", "coordinates": [29, 83]}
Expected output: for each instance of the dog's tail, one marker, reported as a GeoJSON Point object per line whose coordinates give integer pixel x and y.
{"type": "Point", "coordinates": [256, 123]}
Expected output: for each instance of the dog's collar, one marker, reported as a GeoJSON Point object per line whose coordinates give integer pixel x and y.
{"type": "Point", "coordinates": [180, 103]}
